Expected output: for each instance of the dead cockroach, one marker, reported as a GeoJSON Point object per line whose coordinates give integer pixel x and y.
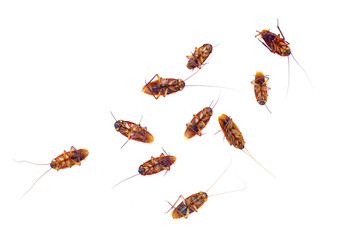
{"type": "Point", "coordinates": [154, 165]}
{"type": "Point", "coordinates": [199, 122]}
{"type": "Point", "coordinates": [132, 131]}
{"type": "Point", "coordinates": [261, 89]}
{"type": "Point", "coordinates": [194, 202]}
{"type": "Point", "coordinates": [199, 56]}
{"type": "Point", "coordinates": [65, 160]}
{"type": "Point", "coordinates": [166, 86]}
{"type": "Point", "coordinates": [277, 44]}
{"type": "Point", "coordinates": [234, 136]}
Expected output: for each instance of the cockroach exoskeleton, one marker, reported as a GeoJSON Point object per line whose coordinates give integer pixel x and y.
{"type": "Point", "coordinates": [199, 121]}
{"type": "Point", "coordinates": [154, 165]}
{"type": "Point", "coordinates": [261, 89]}
{"type": "Point", "coordinates": [132, 131]}
{"type": "Point", "coordinates": [199, 56]}
{"type": "Point", "coordinates": [195, 201]}
{"type": "Point", "coordinates": [166, 86]}
{"type": "Point", "coordinates": [163, 86]}
{"type": "Point", "coordinates": [65, 160]}
{"type": "Point", "coordinates": [277, 44]}
{"type": "Point", "coordinates": [234, 136]}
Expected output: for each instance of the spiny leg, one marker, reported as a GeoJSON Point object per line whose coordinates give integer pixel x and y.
{"type": "Point", "coordinates": [147, 84]}
{"type": "Point", "coordinates": [173, 205]}
{"type": "Point", "coordinates": [280, 29]}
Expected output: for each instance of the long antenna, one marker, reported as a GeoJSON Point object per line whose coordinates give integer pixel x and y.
{"type": "Point", "coordinates": [113, 116]}
{"type": "Point", "coordinates": [216, 100]}
{"type": "Point", "coordinates": [32, 162]}
{"type": "Point", "coordinates": [214, 87]}
{"type": "Point", "coordinates": [219, 176]}
{"type": "Point", "coordinates": [192, 74]}
{"type": "Point", "coordinates": [35, 181]}
{"type": "Point", "coordinates": [302, 69]}
{"type": "Point", "coordinates": [287, 90]}
{"type": "Point", "coordinates": [248, 153]}
{"type": "Point", "coordinates": [267, 108]}
{"type": "Point", "coordinates": [125, 180]}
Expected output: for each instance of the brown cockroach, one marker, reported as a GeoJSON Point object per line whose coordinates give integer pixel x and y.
{"type": "Point", "coordinates": [154, 165]}
{"type": "Point", "coordinates": [199, 121]}
{"type": "Point", "coordinates": [166, 86]}
{"type": "Point", "coordinates": [195, 201]}
{"type": "Point", "coordinates": [261, 89]}
{"type": "Point", "coordinates": [278, 45]}
{"type": "Point", "coordinates": [132, 131]}
{"type": "Point", "coordinates": [65, 160]}
{"type": "Point", "coordinates": [199, 56]}
{"type": "Point", "coordinates": [234, 136]}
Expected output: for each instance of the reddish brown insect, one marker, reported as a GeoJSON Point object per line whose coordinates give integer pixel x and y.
{"type": "Point", "coordinates": [234, 136]}
{"type": "Point", "coordinates": [166, 86]}
{"type": "Point", "coordinates": [154, 165]}
{"type": "Point", "coordinates": [199, 56]}
{"type": "Point", "coordinates": [261, 89]}
{"type": "Point", "coordinates": [133, 131]}
{"type": "Point", "coordinates": [163, 86]}
{"type": "Point", "coordinates": [199, 122]}
{"type": "Point", "coordinates": [194, 202]}
{"type": "Point", "coordinates": [65, 160]}
{"type": "Point", "coordinates": [277, 44]}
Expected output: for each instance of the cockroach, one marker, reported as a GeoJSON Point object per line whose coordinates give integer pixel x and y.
{"type": "Point", "coordinates": [199, 122]}
{"type": "Point", "coordinates": [199, 56]}
{"type": "Point", "coordinates": [278, 45]}
{"type": "Point", "coordinates": [154, 165]}
{"type": "Point", "coordinates": [261, 89]}
{"type": "Point", "coordinates": [167, 86]}
{"type": "Point", "coordinates": [234, 136]}
{"type": "Point", "coordinates": [65, 160]}
{"type": "Point", "coordinates": [195, 201]}
{"type": "Point", "coordinates": [132, 131]}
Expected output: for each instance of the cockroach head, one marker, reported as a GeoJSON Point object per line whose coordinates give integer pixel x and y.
{"type": "Point", "coordinates": [181, 84]}
{"type": "Point", "coordinates": [118, 124]}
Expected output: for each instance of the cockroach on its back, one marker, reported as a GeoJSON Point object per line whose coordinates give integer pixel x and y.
{"type": "Point", "coordinates": [199, 56]}
{"type": "Point", "coordinates": [199, 122]}
{"type": "Point", "coordinates": [132, 131]}
{"type": "Point", "coordinates": [167, 86]}
{"type": "Point", "coordinates": [154, 165]}
{"type": "Point", "coordinates": [195, 201]}
{"type": "Point", "coordinates": [260, 88]}
{"type": "Point", "coordinates": [278, 45]}
{"type": "Point", "coordinates": [65, 160]}
{"type": "Point", "coordinates": [163, 86]}
{"type": "Point", "coordinates": [234, 136]}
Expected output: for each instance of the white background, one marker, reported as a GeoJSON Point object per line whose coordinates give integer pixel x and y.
{"type": "Point", "coordinates": [64, 65]}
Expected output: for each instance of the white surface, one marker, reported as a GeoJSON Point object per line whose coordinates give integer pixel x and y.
{"type": "Point", "coordinates": [65, 65]}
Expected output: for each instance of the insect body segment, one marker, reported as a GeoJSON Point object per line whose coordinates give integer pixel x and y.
{"type": "Point", "coordinates": [199, 56]}
{"type": "Point", "coordinates": [163, 86]}
{"type": "Point", "coordinates": [260, 88]}
{"type": "Point", "coordinates": [133, 131]}
{"type": "Point", "coordinates": [154, 165]}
